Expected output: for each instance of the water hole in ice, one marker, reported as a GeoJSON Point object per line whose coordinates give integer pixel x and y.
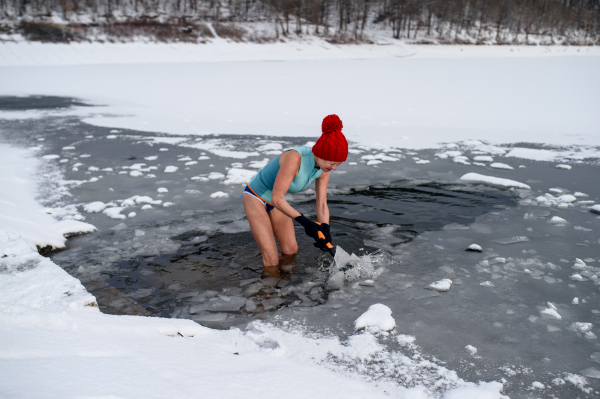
{"type": "Point", "coordinates": [195, 258]}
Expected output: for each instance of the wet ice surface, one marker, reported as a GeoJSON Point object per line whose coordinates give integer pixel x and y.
{"type": "Point", "coordinates": [525, 307]}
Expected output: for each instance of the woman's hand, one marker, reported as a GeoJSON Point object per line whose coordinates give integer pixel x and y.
{"type": "Point", "coordinates": [313, 229]}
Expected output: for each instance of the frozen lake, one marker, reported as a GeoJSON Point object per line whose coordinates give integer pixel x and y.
{"type": "Point", "coordinates": [523, 303]}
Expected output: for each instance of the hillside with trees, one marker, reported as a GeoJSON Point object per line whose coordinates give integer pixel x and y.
{"type": "Point", "coordinates": [567, 22]}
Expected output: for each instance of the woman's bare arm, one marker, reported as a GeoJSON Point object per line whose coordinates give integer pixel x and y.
{"type": "Point", "coordinates": [289, 164]}
{"type": "Point", "coordinates": [321, 190]}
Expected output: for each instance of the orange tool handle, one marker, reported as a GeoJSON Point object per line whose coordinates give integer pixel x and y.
{"type": "Point", "coordinates": [322, 237]}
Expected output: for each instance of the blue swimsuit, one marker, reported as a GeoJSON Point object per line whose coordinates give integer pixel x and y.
{"type": "Point", "coordinates": [261, 186]}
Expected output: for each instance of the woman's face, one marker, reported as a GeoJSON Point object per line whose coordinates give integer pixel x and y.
{"type": "Point", "coordinates": [327, 166]}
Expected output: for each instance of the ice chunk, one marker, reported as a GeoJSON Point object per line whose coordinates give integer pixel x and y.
{"type": "Point", "coordinates": [563, 166]}
{"type": "Point", "coordinates": [591, 372]}
{"type": "Point", "coordinates": [146, 207]}
{"type": "Point", "coordinates": [443, 285]}
{"type": "Point", "coordinates": [595, 356]}
{"type": "Point", "coordinates": [557, 220]}
{"type": "Point", "coordinates": [455, 226]}
{"type": "Point", "coordinates": [474, 248]}
{"type": "Point", "coordinates": [595, 209]}
{"type": "Point", "coordinates": [162, 190]}
{"type": "Point", "coordinates": [582, 327]}
{"type": "Point", "coordinates": [567, 198]}
{"type": "Point", "coordinates": [537, 385]}
{"type": "Point", "coordinates": [577, 277]}
{"type": "Point", "coordinates": [483, 158]}
{"type": "Point", "coordinates": [471, 349]}
{"type": "Point", "coordinates": [405, 340]}
{"type": "Point", "coordinates": [377, 318]}
{"type": "Point", "coordinates": [493, 181]}
{"type": "Point", "coordinates": [575, 301]}
{"type": "Point", "coordinates": [114, 213]}
{"type": "Point", "coordinates": [171, 169]}
{"type": "Point", "coordinates": [487, 284]}
{"type": "Point", "coordinates": [132, 215]}
{"type": "Point", "coordinates": [94, 207]}
{"type": "Point", "coordinates": [216, 176]}
{"type": "Point", "coordinates": [499, 165]}
{"type": "Point", "coordinates": [239, 176]}
{"type": "Point", "coordinates": [219, 194]}
{"type": "Point", "coordinates": [550, 312]}
{"type": "Point", "coordinates": [511, 240]}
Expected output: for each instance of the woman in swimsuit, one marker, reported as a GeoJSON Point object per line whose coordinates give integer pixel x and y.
{"type": "Point", "coordinates": [270, 215]}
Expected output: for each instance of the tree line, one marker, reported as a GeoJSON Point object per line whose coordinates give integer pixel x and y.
{"type": "Point", "coordinates": [447, 20]}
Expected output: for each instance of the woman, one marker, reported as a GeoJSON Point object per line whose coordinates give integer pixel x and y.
{"type": "Point", "coordinates": [270, 215]}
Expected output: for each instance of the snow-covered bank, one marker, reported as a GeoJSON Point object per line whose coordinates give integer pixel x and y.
{"type": "Point", "coordinates": [20, 213]}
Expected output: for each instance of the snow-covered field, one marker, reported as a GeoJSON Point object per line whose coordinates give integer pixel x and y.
{"type": "Point", "coordinates": [388, 96]}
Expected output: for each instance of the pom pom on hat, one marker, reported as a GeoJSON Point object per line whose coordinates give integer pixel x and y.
{"type": "Point", "coordinates": [331, 123]}
{"type": "Point", "coordinates": [332, 145]}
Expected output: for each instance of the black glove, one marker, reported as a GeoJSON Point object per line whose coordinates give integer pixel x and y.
{"type": "Point", "coordinates": [322, 244]}
{"type": "Point", "coordinates": [312, 230]}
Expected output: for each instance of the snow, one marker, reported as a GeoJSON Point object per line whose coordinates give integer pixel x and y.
{"type": "Point", "coordinates": [493, 181]}
{"type": "Point", "coordinates": [95, 207]}
{"type": "Point", "coordinates": [19, 212]}
{"type": "Point", "coordinates": [443, 285]}
{"type": "Point", "coordinates": [462, 104]}
{"type": "Point", "coordinates": [219, 194]}
{"type": "Point", "coordinates": [499, 165]}
{"type": "Point", "coordinates": [474, 248]}
{"type": "Point", "coordinates": [471, 349]}
{"type": "Point", "coordinates": [73, 350]}
{"type": "Point", "coordinates": [239, 176]}
{"type": "Point", "coordinates": [377, 318]}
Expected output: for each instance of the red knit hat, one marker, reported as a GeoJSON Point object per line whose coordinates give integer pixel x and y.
{"type": "Point", "coordinates": [332, 145]}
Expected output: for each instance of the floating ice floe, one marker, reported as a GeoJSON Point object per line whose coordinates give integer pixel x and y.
{"type": "Point", "coordinates": [487, 284]}
{"type": "Point", "coordinates": [271, 147]}
{"type": "Point", "coordinates": [577, 277]}
{"type": "Point", "coordinates": [461, 159]}
{"type": "Point", "coordinates": [483, 158]}
{"type": "Point", "coordinates": [259, 164]}
{"type": "Point", "coordinates": [184, 159]}
{"type": "Point", "coordinates": [50, 156]}
{"type": "Point", "coordinates": [171, 169]}
{"type": "Point", "coordinates": [575, 301]}
{"type": "Point", "coordinates": [114, 213]}
{"type": "Point", "coordinates": [377, 318]}
{"type": "Point", "coordinates": [471, 349]}
{"type": "Point", "coordinates": [95, 207]}
{"type": "Point", "coordinates": [219, 194]}
{"type": "Point", "coordinates": [443, 285]}
{"type": "Point", "coordinates": [557, 220]}
{"type": "Point", "coordinates": [216, 176]}
{"type": "Point", "coordinates": [511, 240]}
{"type": "Point", "coordinates": [162, 190]}
{"type": "Point", "coordinates": [493, 181]}
{"type": "Point", "coordinates": [551, 312]}
{"type": "Point", "coordinates": [564, 167]}
{"type": "Point", "coordinates": [568, 198]}
{"type": "Point", "coordinates": [239, 176]}
{"type": "Point", "coordinates": [474, 248]}
{"type": "Point", "coordinates": [498, 165]}
{"type": "Point", "coordinates": [151, 158]}
{"type": "Point", "coordinates": [595, 209]}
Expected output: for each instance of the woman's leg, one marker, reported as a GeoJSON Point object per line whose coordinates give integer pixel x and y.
{"type": "Point", "coordinates": [260, 224]}
{"type": "Point", "coordinates": [283, 227]}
